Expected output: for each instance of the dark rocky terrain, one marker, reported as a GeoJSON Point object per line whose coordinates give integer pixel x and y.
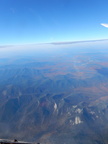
{"type": "Point", "coordinates": [58, 96]}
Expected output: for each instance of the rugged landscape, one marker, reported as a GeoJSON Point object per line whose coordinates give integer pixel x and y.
{"type": "Point", "coordinates": [58, 96]}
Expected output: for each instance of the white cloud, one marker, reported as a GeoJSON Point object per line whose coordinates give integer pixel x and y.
{"type": "Point", "coordinates": [104, 24]}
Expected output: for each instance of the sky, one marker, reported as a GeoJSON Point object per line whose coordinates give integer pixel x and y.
{"type": "Point", "coordinates": [45, 21]}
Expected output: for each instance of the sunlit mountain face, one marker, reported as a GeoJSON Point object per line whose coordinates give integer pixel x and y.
{"type": "Point", "coordinates": [55, 93]}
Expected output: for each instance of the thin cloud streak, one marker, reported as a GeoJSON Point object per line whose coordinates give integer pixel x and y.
{"type": "Point", "coordinates": [104, 24]}
{"type": "Point", "coordinates": [45, 45]}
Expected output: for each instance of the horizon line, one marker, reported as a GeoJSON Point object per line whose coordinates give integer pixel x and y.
{"type": "Point", "coordinates": [55, 43]}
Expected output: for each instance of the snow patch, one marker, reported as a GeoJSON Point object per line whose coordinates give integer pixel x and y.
{"type": "Point", "coordinates": [78, 110]}
{"type": "Point", "coordinates": [75, 106]}
{"type": "Point", "coordinates": [55, 106]}
{"type": "Point", "coordinates": [69, 113]}
{"type": "Point", "coordinates": [92, 112]}
{"type": "Point", "coordinates": [78, 120]}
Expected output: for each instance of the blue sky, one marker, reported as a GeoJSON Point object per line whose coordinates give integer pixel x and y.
{"type": "Point", "coordinates": [39, 21]}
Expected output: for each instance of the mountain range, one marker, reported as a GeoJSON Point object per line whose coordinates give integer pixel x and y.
{"type": "Point", "coordinates": [57, 97]}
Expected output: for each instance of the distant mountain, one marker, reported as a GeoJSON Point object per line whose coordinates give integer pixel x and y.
{"type": "Point", "coordinates": [62, 99]}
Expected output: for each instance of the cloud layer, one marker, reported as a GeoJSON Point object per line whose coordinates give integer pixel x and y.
{"type": "Point", "coordinates": [104, 24]}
